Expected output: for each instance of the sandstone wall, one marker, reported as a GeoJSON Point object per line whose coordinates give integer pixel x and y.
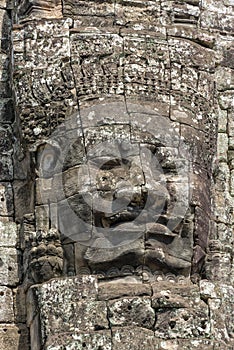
{"type": "Point", "coordinates": [13, 332]}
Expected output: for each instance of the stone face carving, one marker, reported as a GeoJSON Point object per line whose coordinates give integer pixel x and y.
{"type": "Point", "coordinates": [119, 202]}
{"type": "Point", "coordinates": [148, 200]}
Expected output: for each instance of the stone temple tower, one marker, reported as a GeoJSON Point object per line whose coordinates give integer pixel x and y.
{"type": "Point", "coordinates": [116, 175]}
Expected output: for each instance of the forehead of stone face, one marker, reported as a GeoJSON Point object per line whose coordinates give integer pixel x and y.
{"type": "Point", "coordinates": [113, 147]}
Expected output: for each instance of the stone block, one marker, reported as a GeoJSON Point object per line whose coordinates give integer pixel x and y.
{"type": "Point", "coordinates": [222, 147]}
{"type": "Point", "coordinates": [83, 316]}
{"type": "Point", "coordinates": [218, 266]}
{"type": "Point", "coordinates": [184, 344]}
{"type": "Point", "coordinates": [79, 341]}
{"type": "Point", "coordinates": [45, 191]}
{"type": "Point", "coordinates": [146, 16]}
{"type": "Point", "coordinates": [109, 291]}
{"type": "Point", "coordinates": [35, 333]}
{"type": "Point", "coordinates": [224, 78]}
{"type": "Point", "coordinates": [199, 145]}
{"type": "Point", "coordinates": [202, 228]}
{"type": "Point", "coordinates": [184, 290]}
{"type": "Point", "coordinates": [231, 143]}
{"type": "Point", "coordinates": [6, 199]}
{"type": "Point", "coordinates": [207, 289]}
{"type": "Point", "coordinates": [175, 296]}
{"type": "Point", "coordinates": [5, 22]}
{"type": "Point", "coordinates": [230, 128]}
{"type": "Point", "coordinates": [6, 301]}
{"type": "Point", "coordinates": [128, 338]}
{"type": "Point", "coordinates": [231, 159]}
{"type": "Point", "coordinates": [217, 20]}
{"type": "Point", "coordinates": [23, 198]}
{"type": "Point", "coordinates": [182, 323]}
{"type": "Point", "coordinates": [10, 337]}
{"type": "Point", "coordinates": [19, 298]}
{"type": "Point", "coordinates": [134, 311]}
{"type": "Point", "coordinates": [222, 121]}
{"type": "Point", "coordinates": [223, 346]}
{"type": "Point", "coordinates": [37, 10]}
{"type": "Point", "coordinates": [232, 183]}
{"type": "Point", "coordinates": [6, 167]}
{"type": "Point", "coordinates": [181, 51]}
{"type": "Point", "coordinates": [8, 234]}
{"type": "Point", "coordinates": [9, 269]}
{"type": "Point", "coordinates": [226, 100]}
{"type": "Point", "coordinates": [225, 234]}
{"type": "Point", "coordinates": [77, 8]}
{"type": "Point", "coordinates": [108, 112]}
{"type": "Point", "coordinates": [221, 312]}
{"type": "Point", "coordinates": [64, 305]}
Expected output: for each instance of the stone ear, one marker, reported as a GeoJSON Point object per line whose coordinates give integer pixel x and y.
{"type": "Point", "coordinates": [47, 156]}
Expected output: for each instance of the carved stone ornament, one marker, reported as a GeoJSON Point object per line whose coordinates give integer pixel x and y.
{"type": "Point", "coordinates": [45, 257]}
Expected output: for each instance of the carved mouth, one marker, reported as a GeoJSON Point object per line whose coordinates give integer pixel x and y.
{"type": "Point", "coordinates": [127, 215]}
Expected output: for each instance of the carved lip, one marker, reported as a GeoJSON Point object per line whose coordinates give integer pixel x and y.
{"type": "Point", "coordinates": [127, 215]}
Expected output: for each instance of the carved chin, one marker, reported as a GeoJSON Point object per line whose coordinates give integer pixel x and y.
{"type": "Point", "coordinates": [164, 257]}
{"type": "Point", "coordinates": [118, 218]}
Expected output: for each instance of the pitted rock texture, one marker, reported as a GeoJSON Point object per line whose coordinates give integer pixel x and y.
{"type": "Point", "coordinates": [174, 315]}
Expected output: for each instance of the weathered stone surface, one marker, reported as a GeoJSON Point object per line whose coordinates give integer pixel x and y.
{"type": "Point", "coordinates": [134, 311]}
{"type": "Point", "coordinates": [186, 344]}
{"type": "Point", "coordinates": [9, 267]}
{"type": "Point", "coordinates": [6, 167]}
{"type": "Point", "coordinates": [13, 337]}
{"type": "Point", "coordinates": [134, 338]}
{"type": "Point", "coordinates": [170, 295]}
{"type": "Point", "coordinates": [6, 299]}
{"type": "Point", "coordinates": [94, 317]}
{"type": "Point", "coordinates": [19, 298]}
{"type": "Point", "coordinates": [8, 234]}
{"type": "Point", "coordinates": [6, 200]}
{"type": "Point", "coordinates": [57, 33]}
{"type": "Point", "coordinates": [182, 323]}
{"type": "Point", "coordinates": [108, 291]}
{"type": "Point", "coordinates": [24, 198]}
{"type": "Point", "coordinates": [38, 10]}
{"type": "Point", "coordinates": [92, 340]}
{"type": "Point", "coordinates": [69, 294]}
{"type": "Point", "coordinates": [221, 309]}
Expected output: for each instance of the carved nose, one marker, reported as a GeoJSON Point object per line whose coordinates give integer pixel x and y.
{"type": "Point", "coordinates": [122, 197]}
{"type": "Point", "coordinates": [126, 196]}
{"type": "Point", "coordinates": [124, 192]}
